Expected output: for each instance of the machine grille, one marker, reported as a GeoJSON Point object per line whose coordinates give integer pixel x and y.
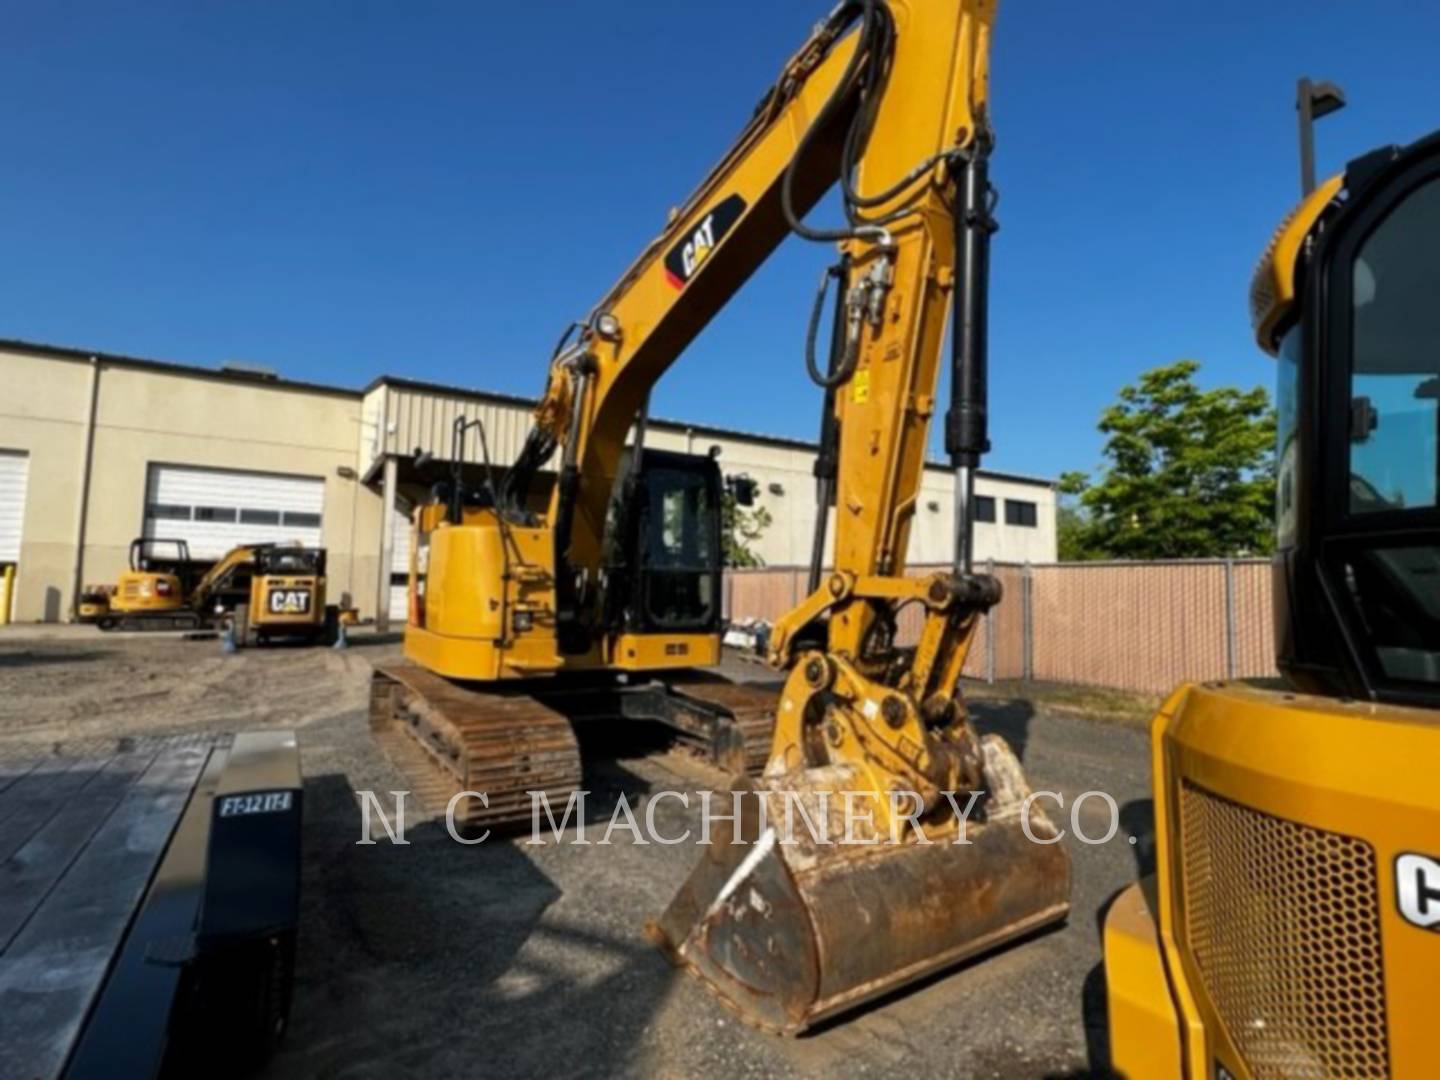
{"type": "Point", "coordinates": [1283, 922]}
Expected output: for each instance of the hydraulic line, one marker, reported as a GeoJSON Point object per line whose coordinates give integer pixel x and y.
{"type": "Point", "coordinates": [844, 352]}
{"type": "Point", "coordinates": [827, 463]}
{"type": "Point", "coordinates": [866, 65]}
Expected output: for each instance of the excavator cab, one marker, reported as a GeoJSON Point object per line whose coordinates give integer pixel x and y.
{"type": "Point", "coordinates": [1359, 393]}
{"type": "Point", "coordinates": [158, 578]}
{"type": "Point", "coordinates": [663, 547]}
{"type": "Point", "coordinates": [160, 556]}
{"type": "Point", "coordinates": [1290, 926]}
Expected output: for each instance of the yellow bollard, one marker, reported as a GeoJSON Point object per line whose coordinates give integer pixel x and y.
{"type": "Point", "coordinates": [7, 591]}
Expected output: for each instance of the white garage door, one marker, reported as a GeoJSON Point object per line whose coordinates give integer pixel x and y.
{"type": "Point", "coordinates": [400, 566]}
{"type": "Point", "coordinates": [14, 467]}
{"type": "Point", "coordinates": [214, 510]}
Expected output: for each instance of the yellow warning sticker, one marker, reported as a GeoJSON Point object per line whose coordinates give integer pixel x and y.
{"type": "Point", "coordinates": [860, 387]}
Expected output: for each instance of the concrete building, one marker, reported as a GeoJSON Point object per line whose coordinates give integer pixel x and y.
{"type": "Point", "coordinates": [97, 449]}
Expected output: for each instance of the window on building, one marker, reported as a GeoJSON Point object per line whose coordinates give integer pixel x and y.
{"type": "Point", "coordinates": [1020, 513]}
{"type": "Point", "coordinates": [984, 508]}
{"type": "Point", "coordinates": [302, 521]}
{"type": "Point", "coordinates": [259, 517]}
{"type": "Point", "coordinates": [167, 512]}
{"type": "Point", "coordinates": [215, 513]}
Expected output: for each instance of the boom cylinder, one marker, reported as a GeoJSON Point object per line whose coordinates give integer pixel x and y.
{"type": "Point", "coordinates": [827, 461]}
{"type": "Point", "coordinates": [572, 635]}
{"type": "Point", "coordinates": [966, 426]}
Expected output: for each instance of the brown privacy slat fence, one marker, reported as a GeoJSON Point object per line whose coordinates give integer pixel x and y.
{"type": "Point", "coordinates": [1138, 626]}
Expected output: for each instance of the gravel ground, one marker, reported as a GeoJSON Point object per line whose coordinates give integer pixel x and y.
{"type": "Point", "coordinates": [434, 959]}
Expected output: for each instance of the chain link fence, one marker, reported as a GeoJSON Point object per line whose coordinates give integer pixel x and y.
{"type": "Point", "coordinates": [1142, 627]}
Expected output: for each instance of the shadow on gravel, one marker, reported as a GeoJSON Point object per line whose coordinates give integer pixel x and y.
{"type": "Point", "coordinates": [435, 958]}
{"type": "Point", "coordinates": [365, 641]}
{"type": "Point", "coordinates": [28, 658]}
{"type": "Point", "coordinates": [1098, 1033]}
{"type": "Point", "coordinates": [1137, 819]}
{"type": "Point", "coordinates": [1097, 1023]}
{"type": "Point", "coordinates": [1008, 718]}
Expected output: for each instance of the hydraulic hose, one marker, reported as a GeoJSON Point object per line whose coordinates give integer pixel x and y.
{"type": "Point", "coordinates": [875, 32]}
{"type": "Point", "coordinates": [851, 354]}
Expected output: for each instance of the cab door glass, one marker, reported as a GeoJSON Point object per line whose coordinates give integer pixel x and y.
{"type": "Point", "coordinates": [1395, 377]}
{"type": "Point", "coordinates": [682, 527]}
{"type": "Point", "coordinates": [682, 555]}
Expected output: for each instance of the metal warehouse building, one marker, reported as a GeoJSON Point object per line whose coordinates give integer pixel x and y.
{"type": "Point", "coordinates": [97, 449]}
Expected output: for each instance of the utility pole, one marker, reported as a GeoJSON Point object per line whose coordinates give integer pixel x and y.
{"type": "Point", "coordinates": [1313, 100]}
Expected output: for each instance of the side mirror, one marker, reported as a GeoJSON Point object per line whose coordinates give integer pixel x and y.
{"type": "Point", "coordinates": [1364, 419]}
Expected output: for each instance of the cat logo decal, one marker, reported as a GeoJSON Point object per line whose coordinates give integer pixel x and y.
{"type": "Point", "coordinates": [690, 254]}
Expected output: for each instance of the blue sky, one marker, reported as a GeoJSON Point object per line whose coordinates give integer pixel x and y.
{"type": "Point", "coordinates": [433, 190]}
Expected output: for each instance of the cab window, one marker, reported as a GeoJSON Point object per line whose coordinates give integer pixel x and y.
{"type": "Point", "coordinates": [1395, 375]}
{"type": "Point", "coordinates": [1287, 445]}
{"type": "Point", "coordinates": [682, 556]}
{"type": "Point", "coordinates": [682, 533]}
{"type": "Point", "coordinates": [1386, 560]}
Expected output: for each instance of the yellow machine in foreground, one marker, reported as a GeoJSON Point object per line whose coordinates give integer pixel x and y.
{"type": "Point", "coordinates": [1292, 927]}
{"type": "Point", "coordinates": [267, 590]}
{"type": "Point", "coordinates": [529, 596]}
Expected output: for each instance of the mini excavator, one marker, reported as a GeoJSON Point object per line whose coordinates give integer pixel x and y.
{"type": "Point", "coordinates": [594, 592]}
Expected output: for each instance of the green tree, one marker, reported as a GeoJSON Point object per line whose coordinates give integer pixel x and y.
{"type": "Point", "coordinates": [1189, 473]}
{"type": "Point", "coordinates": [1071, 525]}
{"type": "Point", "coordinates": [739, 528]}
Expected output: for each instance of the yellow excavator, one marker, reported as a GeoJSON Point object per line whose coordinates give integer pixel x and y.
{"type": "Point", "coordinates": [163, 588]}
{"type": "Point", "coordinates": [533, 594]}
{"type": "Point", "coordinates": [1292, 925]}
{"type": "Point", "coordinates": [266, 591]}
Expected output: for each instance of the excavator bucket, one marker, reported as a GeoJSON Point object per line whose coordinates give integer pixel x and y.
{"type": "Point", "coordinates": [788, 930]}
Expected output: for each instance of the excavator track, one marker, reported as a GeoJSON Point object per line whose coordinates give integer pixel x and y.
{"type": "Point", "coordinates": [505, 745]}
{"type": "Point", "coordinates": [751, 710]}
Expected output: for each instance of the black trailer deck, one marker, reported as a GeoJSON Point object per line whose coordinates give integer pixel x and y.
{"type": "Point", "coordinates": [140, 884]}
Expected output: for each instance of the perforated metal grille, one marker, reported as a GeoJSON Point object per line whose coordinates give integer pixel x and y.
{"type": "Point", "coordinates": [1283, 922]}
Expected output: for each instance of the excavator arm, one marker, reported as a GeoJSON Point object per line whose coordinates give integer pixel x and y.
{"type": "Point", "coordinates": [887, 98]}
{"type": "Point", "coordinates": [218, 575]}
{"type": "Point", "coordinates": [890, 99]}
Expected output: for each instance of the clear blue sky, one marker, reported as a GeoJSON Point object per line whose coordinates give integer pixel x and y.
{"type": "Point", "coordinates": [433, 190]}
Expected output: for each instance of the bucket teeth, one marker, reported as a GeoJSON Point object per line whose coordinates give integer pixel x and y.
{"type": "Point", "coordinates": [789, 928]}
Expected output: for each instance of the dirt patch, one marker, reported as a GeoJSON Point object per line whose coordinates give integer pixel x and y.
{"type": "Point", "coordinates": [59, 691]}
